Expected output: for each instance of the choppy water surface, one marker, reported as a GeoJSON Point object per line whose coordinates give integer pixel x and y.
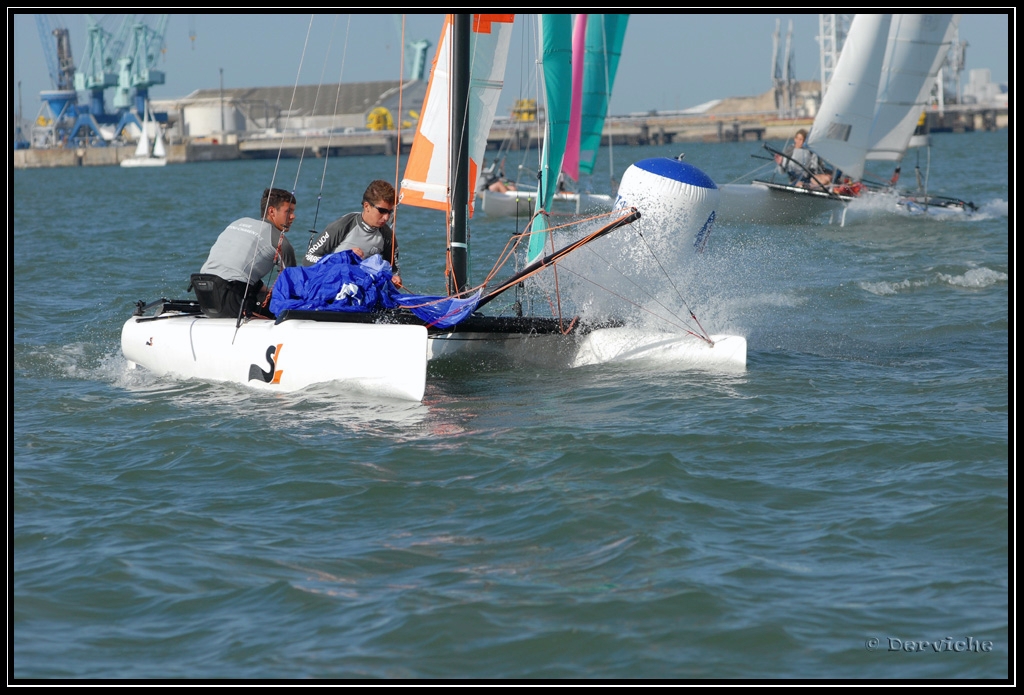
{"type": "Point", "coordinates": [838, 510]}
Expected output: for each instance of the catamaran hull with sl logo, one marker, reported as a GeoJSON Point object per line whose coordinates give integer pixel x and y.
{"type": "Point", "coordinates": [382, 360]}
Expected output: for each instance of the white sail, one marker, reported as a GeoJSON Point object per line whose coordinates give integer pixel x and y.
{"type": "Point", "coordinates": [142, 150]}
{"type": "Point", "coordinates": [159, 150]}
{"type": "Point", "coordinates": [843, 124]}
{"type": "Point", "coordinates": [916, 48]}
{"type": "Point", "coordinates": [148, 153]}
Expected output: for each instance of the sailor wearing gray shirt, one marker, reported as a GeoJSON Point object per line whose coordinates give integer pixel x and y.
{"type": "Point", "coordinates": [247, 250]}
{"type": "Point", "coordinates": [366, 233]}
{"type": "Point", "coordinates": [230, 283]}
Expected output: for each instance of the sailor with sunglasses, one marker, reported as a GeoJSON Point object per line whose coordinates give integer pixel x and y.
{"type": "Point", "coordinates": [365, 232]}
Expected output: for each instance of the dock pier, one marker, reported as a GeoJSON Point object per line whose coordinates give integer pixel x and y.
{"type": "Point", "coordinates": [651, 129]}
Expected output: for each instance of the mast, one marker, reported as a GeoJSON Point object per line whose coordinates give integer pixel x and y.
{"type": "Point", "coordinates": [459, 141]}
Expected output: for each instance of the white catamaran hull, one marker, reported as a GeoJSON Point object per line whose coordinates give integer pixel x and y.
{"type": "Point", "coordinates": [727, 354]}
{"type": "Point", "coordinates": [763, 203]}
{"type": "Point", "coordinates": [499, 350]}
{"type": "Point", "coordinates": [523, 203]}
{"type": "Point", "coordinates": [600, 346]}
{"type": "Point", "coordinates": [382, 360]}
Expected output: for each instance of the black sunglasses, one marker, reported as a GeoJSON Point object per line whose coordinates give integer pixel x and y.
{"type": "Point", "coordinates": [383, 211]}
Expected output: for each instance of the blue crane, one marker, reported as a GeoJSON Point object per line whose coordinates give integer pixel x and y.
{"type": "Point", "coordinates": [125, 60]}
{"type": "Point", "coordinates": [62, 122]}
{"type": "Point", "coordinates": [137, 67]}
{"type": "Point", "coordinates": [98, 69]}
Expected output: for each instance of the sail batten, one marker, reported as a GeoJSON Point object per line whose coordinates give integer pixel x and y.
{"type": "Point", "coordinates": [917, 45]}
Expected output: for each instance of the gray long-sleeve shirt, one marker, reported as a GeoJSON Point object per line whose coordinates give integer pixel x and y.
{"type": "Point", "coordinates": [247, 250]}
{"type": "Point", "coordinates": [350, 232]}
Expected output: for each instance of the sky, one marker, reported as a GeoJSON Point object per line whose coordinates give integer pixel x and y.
{"type": "Point", "coordinates": [669, 61]}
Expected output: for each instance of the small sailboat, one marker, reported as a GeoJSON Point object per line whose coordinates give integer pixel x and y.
{"type": "Point", "coordinates": [839, 136]}
{"type": "Point", "coordinates": [148, 154]}
{"type": "Point", "coordinates": [869, 113]}
{"type": "Point", "coordinates": [404, 332]}
{"type": "Point", "coordinates": [918, 44]}
{"type": "Point", "coordinates": [596, 46]}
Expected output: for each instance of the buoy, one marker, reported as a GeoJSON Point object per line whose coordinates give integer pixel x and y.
{"type": "Point", "coordinates": [672, 196]}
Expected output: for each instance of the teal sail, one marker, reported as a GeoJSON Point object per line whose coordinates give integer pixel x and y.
{"type": "Point", "coordinates": [605, 34]}
{"type": "Point", "coordinates": [556, 59]}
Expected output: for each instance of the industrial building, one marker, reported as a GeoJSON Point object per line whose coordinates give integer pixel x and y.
{"type": "Point", "coordinates": [223, 116]}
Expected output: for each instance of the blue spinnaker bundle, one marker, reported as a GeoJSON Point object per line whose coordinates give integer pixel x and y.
{"type": "Point", "coordinates": [344, 282]}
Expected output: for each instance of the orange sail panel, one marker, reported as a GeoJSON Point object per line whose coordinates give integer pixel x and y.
{"type": "Point", "coordinates": [426, 174]}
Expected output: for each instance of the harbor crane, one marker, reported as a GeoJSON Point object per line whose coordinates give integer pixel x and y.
{"type": "Point", "coordinates": [61, 121]}
{"type": "Point", "coordinates": [137, 67]}
{"type": "Point", "coordinates": [96, 73]}
{"type": "Point", "coordinates": [124, 60]}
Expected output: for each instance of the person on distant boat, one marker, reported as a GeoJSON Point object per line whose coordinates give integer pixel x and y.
{"type": "Point", "coordinates": [364, 232]}
{"type": "Point", "coordinates": [803, 167]}
{"type": "Point", "coordinates": [493, 178]}
{"type": "Point", "coordinates": [246, 251]}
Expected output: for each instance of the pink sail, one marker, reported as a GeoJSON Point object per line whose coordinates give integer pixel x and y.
{"type": "Point", "coordinates": [571, 161]}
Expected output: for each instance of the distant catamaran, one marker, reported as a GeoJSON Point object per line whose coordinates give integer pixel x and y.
{"type": "Point", "coordinates": [578, 71]}
{"type": "Point", "coordinates": [875, 98]}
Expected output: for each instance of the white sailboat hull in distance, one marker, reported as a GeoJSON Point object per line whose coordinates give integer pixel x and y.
{"type": "Point", "coordinates": [523, 203]}
{"type": "Point", "coordinates": [381, 360]}
{"type": "Point", "coordinates": [677, 350]}
{"type": "Point", "coordinates": [765, 203]}
{"type": "Point", "coordinates": [143, 162]}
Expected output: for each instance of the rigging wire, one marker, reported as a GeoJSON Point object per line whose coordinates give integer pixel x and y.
{"type": "Point", "coordinates": [683, 326]}
{"type": "Point", "coordinates": [670, 282]}
{"type": "Point", "coordinates": [608, 91]}
{"type": "Point", "coordinates": [273, 179]}
{"type": "Point", "coordinates": [312, 112]}
{"type": "Point", "coordinates": [753, 172]}
{"type": "Point", "coordinates": [698, 332]}
{"type": "Point", "coordinates": [673, 314]}
{"type": "Point", "coordinates": [398, 147]}
{"type": "Point", "coordinates": [330, 134]}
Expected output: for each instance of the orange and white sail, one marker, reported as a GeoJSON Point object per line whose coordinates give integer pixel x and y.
{"type": "Point", "coordinates": [426, 181]}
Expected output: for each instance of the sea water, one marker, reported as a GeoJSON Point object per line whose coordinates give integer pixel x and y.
{"type": "Point", "coordinates": [840, 509]}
